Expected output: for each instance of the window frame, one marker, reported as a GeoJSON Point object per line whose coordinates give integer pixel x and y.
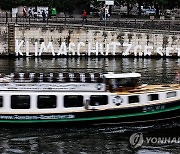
{"type": "Point", "coordinates": [1, 101]}
{"type": "Point", "coordinates": [150, 95]}
{"type": "Point", "coordinates": [17, 101]}
{"type": "Point", "coordinates": [99, 104]}
{"type": "Point", "coordinates": [70, 104]}
{"type": "Point", "coordinates": [135, 101]}
{"type": "Point", "coordinates": [170, 92]}
{"type": "Point", "coordinates": [39, 106]}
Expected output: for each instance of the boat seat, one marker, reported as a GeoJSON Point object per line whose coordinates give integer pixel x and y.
{"type": "Point", "coordinates": [31, 76]}
{"type": "Point", "coordinates": [71, 77]}
{"type": "Point", "coordinates": [36, 77]}
{"type": "Point", "coordinates": [26, 76]}
{"type": "Point", "coordinates": [82, 77]}
{"type": "Point", "coordinates": [16, 77]}
{"type": "Point", "coordinates": [46, 78]}
{"type": "Point", "coordinates": [55, 77]}
{"type": "Point", "coordinates": [98, 77]}
{"type": "Point", "coordinates": [76, 77]}
{"type": "Point", "coordinates": [66, 77]}
{"type": "Point", "coordinates": [60, 77]}
{"type": "Point", "coordinates": [88, 78]}
{"type": "Point", "coordinates": [2, 75]}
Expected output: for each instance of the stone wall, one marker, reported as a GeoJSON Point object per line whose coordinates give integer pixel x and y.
{"type": "Point", "coordinates": [3, 40]}
{"type": "Point", "coordinates": [63, 40]}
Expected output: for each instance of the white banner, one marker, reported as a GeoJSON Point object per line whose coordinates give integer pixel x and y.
{"type": "Point", "coordinates": [14, 12]}
{"type": "Point", "coordinates": [40, 9]}
{"type": "Point", "coordinates": [109, 2]}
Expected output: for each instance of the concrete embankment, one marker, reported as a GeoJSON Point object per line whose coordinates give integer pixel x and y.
{"type": "Point", "coordinates": [56, 40]}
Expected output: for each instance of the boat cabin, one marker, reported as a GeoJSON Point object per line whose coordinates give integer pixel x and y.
{"type": "Point", "coordinates": [121, 82]}
{"type": "Point", "coordinates": [71, 81]}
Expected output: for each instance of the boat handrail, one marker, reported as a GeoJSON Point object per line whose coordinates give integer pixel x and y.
{"type": "Point", "coordinates": [55, 77]}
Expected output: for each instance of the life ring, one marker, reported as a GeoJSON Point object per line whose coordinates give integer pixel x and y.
{"type": "Point", "coordinates": [117, 100]}
{"type": "Point", "coordinates": [99, 86]}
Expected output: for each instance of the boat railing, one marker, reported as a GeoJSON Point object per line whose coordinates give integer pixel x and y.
{"type": "Point", "coordinates": [57, 77]}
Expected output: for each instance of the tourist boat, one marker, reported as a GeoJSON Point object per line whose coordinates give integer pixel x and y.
{"type": "Point", "coordinates": [85, 99]}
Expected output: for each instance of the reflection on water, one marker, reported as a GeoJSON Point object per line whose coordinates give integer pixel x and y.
{"type": "Point", "coordinates": [152, 70]}
{"type": "Point", "coordinates": [112, 139]}
{"type": "Point", "coordinates": [83, 140]}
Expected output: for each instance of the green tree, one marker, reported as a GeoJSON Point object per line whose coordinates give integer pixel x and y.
{"type": "Point", "coordinates": [70, 5]}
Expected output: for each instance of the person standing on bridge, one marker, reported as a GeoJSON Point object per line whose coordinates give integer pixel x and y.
{"type": "Point", "coordinates": [84, 16]}
{"type": "Point", "coordinates": [101, 13]}
{"type": "Point", "coordinates": [44, 15]}
{"type": "Point", "coordinates": [30, 13]}
{"type": "Point", "coordinates": [24, 12]}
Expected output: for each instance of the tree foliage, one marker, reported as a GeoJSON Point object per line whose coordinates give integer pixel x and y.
{"type": "Point", "coordinates": [70, 5]}
{"type": "Point", "coordinates": [62, 5]}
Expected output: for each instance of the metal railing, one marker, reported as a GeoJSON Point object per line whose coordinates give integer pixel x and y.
{"type": "Point", "coordinates": [156, 24]}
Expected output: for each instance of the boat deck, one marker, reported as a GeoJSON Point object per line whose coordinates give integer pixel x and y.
{"type": "Point", "coordinates": [150, 88]}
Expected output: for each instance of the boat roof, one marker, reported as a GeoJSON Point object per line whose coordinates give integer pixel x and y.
{"type": "Point", "coordinates": [111, 75]}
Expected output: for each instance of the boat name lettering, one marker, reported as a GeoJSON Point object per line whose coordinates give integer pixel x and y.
{"type": "Point", "coordinates": [53, 86]}
{"type": "Point", "coordinates": [153, 108]}
{"type": "Point", "coordinates": [36, 117]}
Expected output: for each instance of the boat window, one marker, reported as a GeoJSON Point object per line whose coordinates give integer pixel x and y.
{"type": "Point", "coordinates": [123, 82]}
{"type": "Point", "coordinates": [1, 101]}
{"type": "Point", "coordinates": [73, 101]}
{"type": "Point", "coordinates": [96, 100]}
{"type": "Point", "coordinates": [134, 99]}
{"type": "Point", "coordinates": [153, 97]}
{"type": "Point", "coordinates": [20, 101]}
{"type": "Point", "coordinates": [171, 94]}
{"type": "Point", "coordinates": [46, 101]}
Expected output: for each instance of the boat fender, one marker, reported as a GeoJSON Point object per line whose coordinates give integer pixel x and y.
{"type": "Point", "coordinates": [117, 100]}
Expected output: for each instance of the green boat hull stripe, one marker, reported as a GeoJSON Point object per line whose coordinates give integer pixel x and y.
{"type": "Point", "coordinates": [94, 118]}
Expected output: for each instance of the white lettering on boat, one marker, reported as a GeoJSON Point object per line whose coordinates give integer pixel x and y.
{"type": "Point", "coordinates": [36, 117]}
{"type": "Point", "coordinates": [54, 86]}
{"type": "Point", "coordinates": [153, 108]}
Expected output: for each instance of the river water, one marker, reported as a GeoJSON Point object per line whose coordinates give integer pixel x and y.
{"type": "Point", "coordinates": [109, 139]}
